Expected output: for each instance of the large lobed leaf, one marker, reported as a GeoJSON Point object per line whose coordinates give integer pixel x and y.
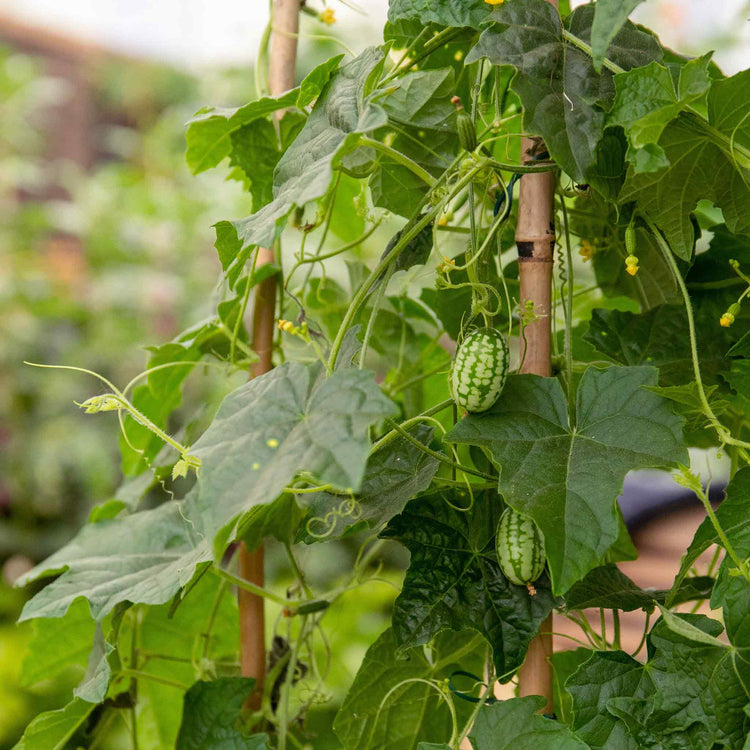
{"type": "Point", "coordinates": [568, 477]}
{"type": "Point", "coordinates": [454, 579]}
{"type": "Point", "coordinates": [342, 113]}
{"type": "Point", "coordinates": [267, 431]}
{"type": "Point", "coordinates": [560, 90]}
{"type": "Point", "coordinates": [647, 99]}
{"type": "Point", "coordinates": [145, 558]}
{"type": "Point", "coordinates": [705, 161]}
{"type": "Point", "coordinates": [691, 693]}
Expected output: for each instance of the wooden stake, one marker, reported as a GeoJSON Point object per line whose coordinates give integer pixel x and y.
{"type": "Point", "coordinates": [535, 239]}
{"type": "Point", "coordinates": [251, 610]}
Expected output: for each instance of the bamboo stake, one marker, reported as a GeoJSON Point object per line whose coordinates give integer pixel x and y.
{"type": "Point", "coordinates": [251, 611]}
{"type": "Point", "coordinates": [535, 240]}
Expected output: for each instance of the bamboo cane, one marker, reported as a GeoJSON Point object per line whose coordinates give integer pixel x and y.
{"type": "Point", "coordinates": [251, 611]}
{"type": "Point", "coordinates": [535, 239]}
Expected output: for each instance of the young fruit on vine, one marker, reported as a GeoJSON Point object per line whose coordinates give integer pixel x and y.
{"type": "Point", "coordinates": [480, 369]}
{"type": "Point", "coordinates": [467, 134]}
{"type": "Point", "coordinates": [520, 548]}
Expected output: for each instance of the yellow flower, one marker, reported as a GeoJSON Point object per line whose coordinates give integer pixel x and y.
{"type": "Point", "coordinates": [327, 16]}
{"type": "Point", "coordinates": [447, 265]}
{"type": "Point", "coordinates": [494, 2]}
{"type": "Point", "coordinates": [586, 250]}
{"type": "Point", "coordinates": [286, 325]}
{"type": "Point", "coordinates": [728, 317]}
{"type": "Point", "coordinates": [631, 265]}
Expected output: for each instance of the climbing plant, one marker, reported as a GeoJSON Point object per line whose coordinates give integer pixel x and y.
{"type": "Point", "coordinates": [360, 433]}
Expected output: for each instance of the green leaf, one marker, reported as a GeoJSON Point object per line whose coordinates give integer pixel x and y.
{"type": "Point", "coordinates": [687, 631]}
{"type": "Point", "coordinates": [211, 711]}
{"type": "Point", "coordinates": [53, 729]}
{"type": "Point", "coordinates": [454, 579]}
{"type": "Point", "coordinates": [315, 81]}
{"type": "Point", "coordinates": [445, 13]}
{"type": "Point", "coordinates": [608, 588]}
{"type": "Point", "coordinates": [702, 165]}
{"type": "Point", "coordinates": [659, 338]}
{"type": "Point", "coordinates": [277, 425]}
{"type": "Point", "coordinates": [93, 687]}
{"type": "Point", "coordinates": [732, 515]}
{"type": "Point", "coordinates": [395, 473]}
{"type": "Point", "coordinates": [557, 83]}
{"type": "Point", "coordinates": [344, 111]}
{"type": "Point", "coordinates": [647, 99]}
{"type": "Point", "coordinates": [394, 186]}
{"type": "Point", "coordinates": [516, 725]}
{"type": "Point", "coordinates": [423, 99]}
{"type": "Point", "coordinates": [732, 594]}
{"type": "Point", "coordinates": [142, 558]}
{"type": "Point", "coordinates": [564, 664]}
{"type": "Point", "coordinates": [209, 133]}
{"type": "Point", "coordinates": [45, 660]}
{"type": "Point", "coordinates": [255, 152]}
{"type": "Point", "coordinates": [689, 694]}
{"type": "Point", "coordinates": [605, 675]}
{"type": "Point", "coordinates": [386, 708]}
{"type": "Point", "coordinates": [559, 474]}
{"type": "Point", "coordinates": [609, 16]}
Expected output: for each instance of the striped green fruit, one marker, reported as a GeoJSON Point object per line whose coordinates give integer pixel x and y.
{"type": "Point", "coordinates": [520, 548]}
{"type": "Point", "coordinates": [480, 369]}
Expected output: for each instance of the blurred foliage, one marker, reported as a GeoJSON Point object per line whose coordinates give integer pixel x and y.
{"type": "Point", "coordinates": [87, 286]}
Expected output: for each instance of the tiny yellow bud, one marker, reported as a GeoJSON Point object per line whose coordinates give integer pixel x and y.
{"type": "Point", "coordinates": [327, 16]}
{"type": "Point", "coordinates": [494, 2]}
{"type": "Point", "coordinates": [586, 251]}
{"type": "Point", "coordinates": [726, 320]}
{"type": "Point", "coordinates": [632, 270]}
{"type": "Point", "coordinates": [631, 265]}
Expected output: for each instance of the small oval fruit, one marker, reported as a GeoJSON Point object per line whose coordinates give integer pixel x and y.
{"type": "Point", "coordinates": [520, 548]}
{"type": "Point", "coordinates": [480, 369]}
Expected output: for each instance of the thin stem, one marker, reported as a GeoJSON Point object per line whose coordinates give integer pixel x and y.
{"type": "Point", "coordinates": [257, 590]}
{"type": "Point", "coordinates": [391, 434]}
{"type": "Point", "coordinates": [402, 159]}
{"type": "Point", "coordinates": [643, 637]}
{"type": "Point", "coordinates": [384, 263]}
{"type": "Point", "coordinates": [586, 49]}
{"type": "Point", "coordinates": [439, 456]}
{"type": "Point", "coordinates": [140, 675]}
{"type": "Point", "coordinates": [441, 39]}
{"type": "Point", "coordinates": [212, 617]}
{"type": "Point", "coordinates": [616, 618]}
{"type": "Point", "coordinates": [568, 311]}
{"type": "Point", "coordinates": [724, 435]}
{"type": "Point", "coordinates": [297, 570]}
{"type": "Point", "coordinates": [378, 301]}
{"type": "Point", "coordinates": [703, 497]}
